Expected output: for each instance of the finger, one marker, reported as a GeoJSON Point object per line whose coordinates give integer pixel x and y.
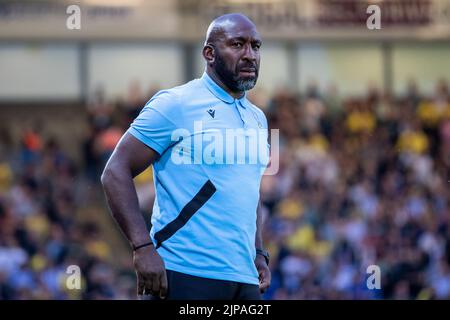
{"type": "Point", "coordinates": [164, 285]}
{"type": "Point", "coordinates": [140, 285]}
{"type": "Point", "coordinates": [148, 286]}
{"type": "Point", "coordinates": [263, 286]}
{"type": "Point", "coordinates": [264, 281]}
{"type": "Point", "coordinates": [261, 276]}
{"type": "Point", "coordinates": [155, 284]}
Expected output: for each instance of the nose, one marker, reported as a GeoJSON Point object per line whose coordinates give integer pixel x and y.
{"type": "Point", "coordinates": [249, 53]}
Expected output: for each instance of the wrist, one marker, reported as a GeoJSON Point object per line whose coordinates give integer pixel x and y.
{"type": "Point", "coordinates": [264, 254]}
{"type": "Point", "coordinates": [145, 244]}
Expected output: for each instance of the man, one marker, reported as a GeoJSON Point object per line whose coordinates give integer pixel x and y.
{"type": "Point", "coordinates": [205, 241]}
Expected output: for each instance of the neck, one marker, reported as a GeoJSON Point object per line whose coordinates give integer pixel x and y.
{"type": "Point", "coordinates": [216, 78]}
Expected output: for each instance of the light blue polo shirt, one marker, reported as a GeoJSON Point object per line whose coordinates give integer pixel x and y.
{"type": "Point", "coordinates": [207, 178]}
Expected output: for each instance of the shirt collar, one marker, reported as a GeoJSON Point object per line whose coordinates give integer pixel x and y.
{"type": "Point", "coordinates": [220, 93]}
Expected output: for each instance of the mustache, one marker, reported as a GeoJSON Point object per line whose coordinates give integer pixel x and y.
{"type": "Point", "coordinates": [248, 67]}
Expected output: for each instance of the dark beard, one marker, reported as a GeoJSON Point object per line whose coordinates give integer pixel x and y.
{"type": "Point", "coordinates": [231, 79]}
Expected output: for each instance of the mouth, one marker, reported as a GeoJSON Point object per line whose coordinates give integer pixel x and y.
{"type": "Point", "coordinates": [248, 72]}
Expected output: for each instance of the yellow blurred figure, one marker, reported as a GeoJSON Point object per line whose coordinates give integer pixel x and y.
{"type": "Point", "coordinates": [99, 249]}
{"type": "Point", "coordinates": [6, 176]}
{"type": "Point", "coordinates": [429, 114]}
{"type": "Point", "coordinates": [361, 121]}
{"type": "Point", "coordinates": [146, 176]}
{"type": "Point", "coordinates": [413, 142]}
{"type": "Point", "coordinates": [290, 208]}
{"type": "Point", "coordinates": [303, 239]}
{"type": "Point", "coordinates": [38, 224]}
{"type": "Point", "coordinates": [319, 143]}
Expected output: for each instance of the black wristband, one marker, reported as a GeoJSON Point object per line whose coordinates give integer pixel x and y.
{"type": "Point", "coordinates": [264, 253]}
{"type": "Point", "coordinates": [150, 243]}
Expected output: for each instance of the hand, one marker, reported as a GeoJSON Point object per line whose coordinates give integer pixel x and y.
{"type": "Point", "coordinates": [150, 272]}
{"type": "Point", "coordinates": [263, 272]}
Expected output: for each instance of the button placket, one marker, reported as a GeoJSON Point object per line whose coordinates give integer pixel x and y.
{"type": "Point", "coordinates": [241, 111]}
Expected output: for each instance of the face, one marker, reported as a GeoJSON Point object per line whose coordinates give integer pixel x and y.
{"type": "Point", "coordinates": [237, 59]}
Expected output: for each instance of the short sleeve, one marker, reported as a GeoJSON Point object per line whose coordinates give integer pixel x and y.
{"type": "Point", "coordinates": [156, 122]}
{"type": "Point", "coordinates": [265, 125]}
{"type": "Point", "coordinates": [264, 119]}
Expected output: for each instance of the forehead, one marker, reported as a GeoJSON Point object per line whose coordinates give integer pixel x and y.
{"type": "Point", "coordinates": [246, 31]}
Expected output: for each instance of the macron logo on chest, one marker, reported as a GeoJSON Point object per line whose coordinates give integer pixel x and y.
{"type": "Point", "coordinates": [211, 112]}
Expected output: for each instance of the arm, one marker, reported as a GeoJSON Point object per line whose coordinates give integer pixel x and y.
{"type": "Point", "coordinates": [258, 240]}
{"type": "Point", "coordinates": [130, 158]}
{"type": "Point", "coordinates": [260, 261]}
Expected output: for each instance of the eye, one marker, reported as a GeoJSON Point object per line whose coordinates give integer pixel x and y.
{"type": "Point", "coordinates": [256, 46]}
{"type": "Point", "coordinates": [237, 45]}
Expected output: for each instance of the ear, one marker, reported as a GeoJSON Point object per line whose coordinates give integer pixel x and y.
{"type": "Point", "coordinates": [208, 54]}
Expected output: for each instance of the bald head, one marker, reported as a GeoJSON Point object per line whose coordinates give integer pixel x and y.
{"type": "Point", "coordinates": [231, 52]}
{"type": "Point", "coordinates": [226, 24]}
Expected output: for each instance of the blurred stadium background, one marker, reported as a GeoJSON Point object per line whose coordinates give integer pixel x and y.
{"type": "Point", "coordinates": [364, 117]}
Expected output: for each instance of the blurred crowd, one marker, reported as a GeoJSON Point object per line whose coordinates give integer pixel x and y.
{"type": "Point", "coordinates": [362, 181]}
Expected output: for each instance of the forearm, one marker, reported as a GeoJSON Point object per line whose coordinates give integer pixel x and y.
{"type": "Point", "coordinates": [259, 225]}
{"type": "Point", "coordinates": [124, 205]}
